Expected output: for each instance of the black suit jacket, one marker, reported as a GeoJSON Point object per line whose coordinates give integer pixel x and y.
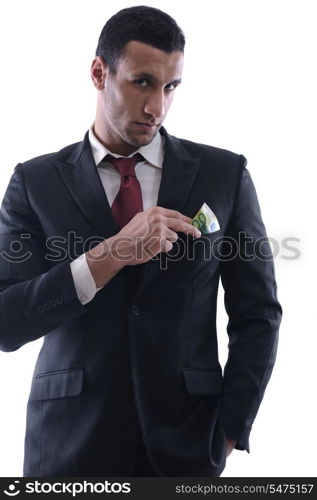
{"type": "Point", "coordinates": [152, 345]}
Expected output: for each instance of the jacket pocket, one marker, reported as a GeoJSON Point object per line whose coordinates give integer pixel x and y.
{"type": "Point", "coordinates": [59, 384]}
{"type": "Point", "coordinates": [203, 381]}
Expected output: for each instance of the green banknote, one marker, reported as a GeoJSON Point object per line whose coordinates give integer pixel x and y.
{"type": "Point", "coordinates": [205, 220]}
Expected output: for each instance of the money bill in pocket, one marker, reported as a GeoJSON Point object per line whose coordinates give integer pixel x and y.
{"type": "Point", "coordinates": [205, 220]}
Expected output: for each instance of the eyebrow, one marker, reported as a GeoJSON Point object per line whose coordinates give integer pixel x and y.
{"type": "Point", "coordinates": [149, 76]}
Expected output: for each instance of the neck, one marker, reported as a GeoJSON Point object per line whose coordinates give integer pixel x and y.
{"type": "Point", "coordinates": [115, 145]}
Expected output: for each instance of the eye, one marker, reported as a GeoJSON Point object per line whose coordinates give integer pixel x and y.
{"type": "Point", "coordinates": [171, 86]}
{"type": "Point", "coordinates": [142, 82]}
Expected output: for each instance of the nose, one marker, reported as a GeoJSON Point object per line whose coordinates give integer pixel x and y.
{"type": "Point", "coordinates": [155, 105]}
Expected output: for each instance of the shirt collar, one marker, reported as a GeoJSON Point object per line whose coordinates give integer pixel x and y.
{"type": "Point", "coordinates": [153, 152]}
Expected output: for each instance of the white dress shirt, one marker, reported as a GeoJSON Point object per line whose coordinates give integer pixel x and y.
{"type": "Point", "coordinates": [148, 173]}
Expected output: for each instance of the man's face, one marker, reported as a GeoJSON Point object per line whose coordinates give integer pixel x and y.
{"type": "Point", "coordinates": [136, 99]}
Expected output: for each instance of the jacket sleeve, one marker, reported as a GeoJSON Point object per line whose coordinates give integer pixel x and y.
{"type": "Point", "coordinates": [35, 298]}
{"type": "Point", "coordinates": [254, 313]}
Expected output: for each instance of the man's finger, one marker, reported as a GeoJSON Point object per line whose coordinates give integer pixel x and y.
{"type": "Point", "coordinates": [166, 245]}
{"type": "Point", "coordinates": [183, 227]}
{"type": "Point", "coordinates": [167, 212]}
{"type": "Point", "coordinates": [171, 236]}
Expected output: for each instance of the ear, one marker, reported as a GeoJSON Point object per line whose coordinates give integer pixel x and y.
{"type": "Point", "coordinates": [98, 72]}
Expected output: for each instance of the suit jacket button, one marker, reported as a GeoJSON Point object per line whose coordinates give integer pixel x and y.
{"type": "Point", "coordinates": [135, 310]}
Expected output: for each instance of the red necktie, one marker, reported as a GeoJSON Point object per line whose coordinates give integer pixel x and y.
{"type": "Point", "coordinates": [128, 201]}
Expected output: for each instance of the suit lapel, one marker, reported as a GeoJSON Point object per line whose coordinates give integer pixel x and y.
{"type": "Point", "coordinates": [179, 172]}
{"type": "Point", "coordinates": [82, 180]}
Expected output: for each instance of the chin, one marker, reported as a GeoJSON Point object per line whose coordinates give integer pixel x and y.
{"type": "Point", "coordinates": [140, 140]}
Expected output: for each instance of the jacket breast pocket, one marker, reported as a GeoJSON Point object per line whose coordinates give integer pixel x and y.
{"type": "Point", "coordinates": [203, 382]}
{"type": "Point", "coordinates": [59, 384]}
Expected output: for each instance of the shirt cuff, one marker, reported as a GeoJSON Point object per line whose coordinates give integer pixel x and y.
{"type": "Point", "coordinates": [84, 282]}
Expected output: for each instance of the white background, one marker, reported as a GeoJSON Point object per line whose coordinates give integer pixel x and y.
{"type": "Point", "coordinates": [249, 86]}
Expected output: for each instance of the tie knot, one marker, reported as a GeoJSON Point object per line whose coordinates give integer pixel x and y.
{"type": "Point", "coordinates": [125, 165]}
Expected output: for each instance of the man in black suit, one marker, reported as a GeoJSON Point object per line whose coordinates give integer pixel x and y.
{"type": "Point", "coordinates": [99, 256]}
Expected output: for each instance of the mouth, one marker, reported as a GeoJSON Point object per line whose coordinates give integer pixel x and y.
{"type": "Point", "coordinates": [147, 126]}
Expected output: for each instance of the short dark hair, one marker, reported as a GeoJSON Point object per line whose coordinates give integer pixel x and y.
{"type": "Point", "coordinates": [142, 24]}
